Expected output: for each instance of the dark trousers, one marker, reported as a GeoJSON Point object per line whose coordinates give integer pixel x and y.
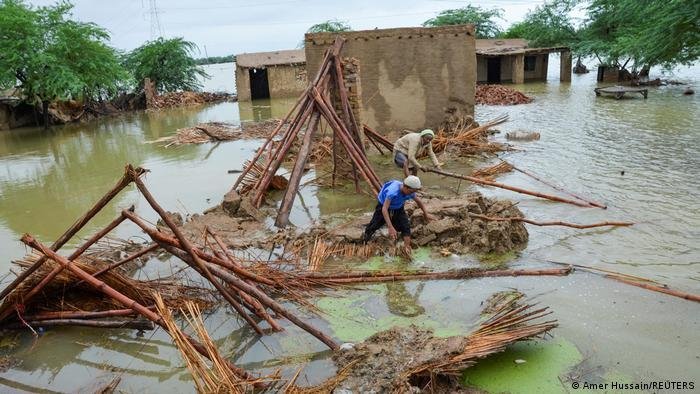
{"type": "Point", "coordinates": [398, 217]}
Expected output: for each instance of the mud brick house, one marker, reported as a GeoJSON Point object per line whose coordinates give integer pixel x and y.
{"type": "Point", "coordinates": [511, 60]}
{"type": "Point", "coordinates": [275, 74]}
{"type": "Point", "coordinates": [406, 78]}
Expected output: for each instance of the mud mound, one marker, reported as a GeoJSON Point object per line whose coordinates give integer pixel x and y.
{"type": "Point", "coordinates": [499, 95]}
{"type": "Point", "coordinates": [455, 229]}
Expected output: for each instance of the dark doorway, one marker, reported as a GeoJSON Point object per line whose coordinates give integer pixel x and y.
{"type": "Point", "coordinates": [493, 70]}
{"type": "Point", "coordinates": [259, 86]}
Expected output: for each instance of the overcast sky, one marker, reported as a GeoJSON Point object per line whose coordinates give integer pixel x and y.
{"type": "Point", "coordinates": [229, 27]}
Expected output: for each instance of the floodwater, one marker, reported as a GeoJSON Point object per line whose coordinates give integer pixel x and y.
{"type": "Point", "coordinates": [641, 157]}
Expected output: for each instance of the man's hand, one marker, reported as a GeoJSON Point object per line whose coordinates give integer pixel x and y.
{"type": "Point", "coordinates": [408, 251]}
{"type": "Point", "coordinates": [392, 233]}
{"type": "Point", "coordinates": [439, 165]}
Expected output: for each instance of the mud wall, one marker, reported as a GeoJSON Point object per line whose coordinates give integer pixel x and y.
{"type": "Point", "coordinates": [15, 116]}
{"type": "Point", "coordinates": [410, 76]}
{"type": "Point", "coordinates": [283, 81]}
{"type": "Point", "coordinates": [507, 64]}
{"type": "Point", "coordinates": [286, 81]}
{"type": "Point", "coordinates": [540, 71]}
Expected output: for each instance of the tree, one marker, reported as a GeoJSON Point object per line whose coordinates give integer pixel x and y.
{"type": "Point", "coordinates": [636, 35]}
{"type": "Point", "coordinates": [49, 57]}
{"type": "Point", "coordinates": [168, 63]}
{"type": "Point", "coordinates": [330, 26]}
{"type": "Point", "coordinates": [482, 19]}
{"type": "Point", "coordinates": [548, 25]}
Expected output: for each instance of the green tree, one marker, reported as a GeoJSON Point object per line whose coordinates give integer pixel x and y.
{"type": "Point", "coordinates": [484, 20]}
{"type": "Point", "coordinates": [48, 56]}
{"type": "Point", "coordinates": [548, 25]}
{"type": "Point", "coordinates": [636, 35]}
{"type": "Point", "coordinates": [330, 26]}
{"type": "Point", "coordinates": [168, 63]}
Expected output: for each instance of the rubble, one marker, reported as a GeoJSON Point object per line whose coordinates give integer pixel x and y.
{"type": "Point", "coordinates": [499, 95]}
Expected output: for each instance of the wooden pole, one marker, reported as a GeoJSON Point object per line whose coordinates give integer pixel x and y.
{"type": "Point", "coordinates": [372, 277]}
{"type": "Point", "coordinates": [298, 171]}
{"type": "Point", "coordinates": [507, 187]}
{"type": "Point", "coordinates": [119, 297]}
{"type": "Point", "coordinates": [553, 186]}
{"type": "Point", "coordinates": [187, 246]}
{"type": "Point", "coordinates": [135, 324]}
{"type": "Point", "coordinates": [59, 268]}
{"type": "Point", "coordinates": [127, 259]}
{"type": "Point", "coordinates": [81, 314]}
{"type": "Point", "coordinates": [75, 227]}
{"type": "Point", "coordinates": [551, 223]}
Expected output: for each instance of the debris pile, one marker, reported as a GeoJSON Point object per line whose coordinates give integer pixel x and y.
{"type": "Point", "coordinates": [499, 95]}
{"type": "Point", "coordinates": [181, 99]}
{"type": "Point", "coordinates": [468, 138]}
{"type": "Point", "coordinates": [411, 359]}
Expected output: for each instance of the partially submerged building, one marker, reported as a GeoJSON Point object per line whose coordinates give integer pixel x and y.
{"type": "Point", "coordinates": [405, 78]}
{"type": "Point", "coordinates": [512, 60]}
{"type": "Point", "coordinates": [275, 74]}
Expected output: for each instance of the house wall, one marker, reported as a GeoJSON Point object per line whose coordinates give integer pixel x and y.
{"type": "Point", "coordinates": [410, 77]}
{"type": "Point", "coordinates": [284, 81]}
{"type": "Point", "coordinates": [287, 80]}
{"type": "Point", "coordinates": [242, 84]}
{"type": "Point", "coordinates": [539, 74]}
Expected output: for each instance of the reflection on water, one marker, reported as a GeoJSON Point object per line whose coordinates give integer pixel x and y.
{"type": "Point", "coordinates": [49, 178]}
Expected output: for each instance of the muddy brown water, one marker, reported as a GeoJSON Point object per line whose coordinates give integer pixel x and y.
{"type": "Point", "coordinates": [47, 179]}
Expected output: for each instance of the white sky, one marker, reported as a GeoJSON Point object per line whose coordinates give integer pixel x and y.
{"type": "Point", "coordinates": [230, 27]}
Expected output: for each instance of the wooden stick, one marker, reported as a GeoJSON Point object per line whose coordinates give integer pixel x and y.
{"type": "Point", "coordinates": [551, 223]}
{"type": "Point", "coordinates": [553, 186]}
{"type": "Point", "coordinates": [660, 289]}
{"type": "Point", "coordinates": [298, 171]}
{"type": "Point", "coordinates": [187, 246]}
{"type": "Point", "coordinates": [81, 314]}
{"type": "Point", "coordinates": [59, 268]}
{"type": "Point", "coordinates": [371, 277]}
{"type": "Point", "coordinates": [507, 187]}
{"type": "Point", "coordinates": [136, 324]}
{"type": "Point", "coordinates": [378, 138]}
{"type": "Point", "coordinates": [127, 259]}
{"type": "Point", "coordinates": [74, 228]}
{"type": "Point", "coordinates": [117, 296]}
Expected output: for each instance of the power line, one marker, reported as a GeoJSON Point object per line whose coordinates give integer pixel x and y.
{"type": "Point", "coordinates": [155, 21]}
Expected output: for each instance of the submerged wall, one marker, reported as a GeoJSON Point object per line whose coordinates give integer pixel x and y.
{"type": "Point", "coordinates": [410, 77]}
{"type": "Point", "coordinates": [284, 81]}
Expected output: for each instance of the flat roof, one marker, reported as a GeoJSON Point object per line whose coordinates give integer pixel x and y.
{"type": "Point", "coordinates": [274, 58]}
{"type": "Point", "coordinates": [510, 46]}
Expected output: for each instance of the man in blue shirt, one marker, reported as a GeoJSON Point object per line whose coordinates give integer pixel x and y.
{"type": "Point", "coordinates": [390, 210]}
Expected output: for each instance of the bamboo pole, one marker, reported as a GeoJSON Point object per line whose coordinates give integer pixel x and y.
{"type": "Point", "coordinates": [298, 171]}
{"type": "Point", "coordinates": [74, 228]}
{"type": "Point", "coordinates": [507, 187]}
{"type": "Point", "coordinates": [371, 277]}
{"type": "Point", "coordinates": [117, 296]}
{"type": "Point", "coordinates": [660, 289]}
{"type": "Point", "coordinates": [59, 268]}
{"type": "Point", "coordinates": [135, 324]}
{"type": "Point", "coordinates": [378, 137]}
{"type": "Point", "coordinates": [550, 223]}
{"type": "Point", "coordinates": [187, 246]}
{"type": "Point", "coordinates": [553, 186]}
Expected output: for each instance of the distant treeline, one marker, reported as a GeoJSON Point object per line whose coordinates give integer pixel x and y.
{"type": "Point", "coordinates": [216, 59]}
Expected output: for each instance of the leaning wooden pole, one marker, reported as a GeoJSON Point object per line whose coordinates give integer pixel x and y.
{"type": "Point", "coordinates": [187, 246]}
{"type": "Point", "coordinates": [508, 187]}
{"type": "Point", "coordinates": [75, 227]}
{"type": "Point", "coordinates": [119, 297]}
{"type": "Point", "coordinates": [25, 298]}
{"type": "Point", "coordinates": [298, 171]}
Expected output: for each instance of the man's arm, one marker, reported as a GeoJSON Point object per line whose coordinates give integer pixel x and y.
{"type": "Point", "coordinates": [387, 218]}
{"type": "Point", "coordinates": [433, 158]}
{"type": "Point", "coordinates": [420, 204]}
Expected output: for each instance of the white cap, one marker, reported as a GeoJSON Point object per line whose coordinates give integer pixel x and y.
{"type": "Point", "coordinates": [413, 182]}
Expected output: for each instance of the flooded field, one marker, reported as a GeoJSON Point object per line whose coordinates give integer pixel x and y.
{"type": "Point", "coordinates": [641, 157]}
